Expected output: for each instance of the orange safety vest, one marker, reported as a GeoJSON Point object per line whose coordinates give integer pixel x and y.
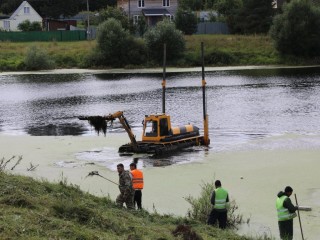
{"type": "Point", "coordinates": [137, 179]}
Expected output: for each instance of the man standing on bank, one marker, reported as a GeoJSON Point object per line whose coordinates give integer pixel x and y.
{"type": "Point", "coordinates": [137, 182]}
{"type": "Point", "coordinates": [286, 213]}
{"type": "Point", "coordinates": [220, 202]}
{"type": "Point", "coordinates": [125, 187]}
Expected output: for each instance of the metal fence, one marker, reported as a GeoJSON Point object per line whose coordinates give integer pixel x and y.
{"type": "Point", "coordinates": [77, 35]}
{"type": "Point", "coordinates": [212, 28]}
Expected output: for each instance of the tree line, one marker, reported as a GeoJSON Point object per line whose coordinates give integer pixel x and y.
{"type": "Point", "coordinates": [294, 29]}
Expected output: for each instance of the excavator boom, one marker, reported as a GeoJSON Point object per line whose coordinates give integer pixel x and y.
{"type": "Point", "coordinates": [100, 124]}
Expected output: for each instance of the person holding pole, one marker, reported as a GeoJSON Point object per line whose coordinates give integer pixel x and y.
{"type": "Point", "coordinates": [125, 187]}
{"type": "Point", "coordinates": [286, 212]}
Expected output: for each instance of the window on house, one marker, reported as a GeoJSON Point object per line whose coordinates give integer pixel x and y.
{"type": "Point", "coordinates": [140, 3]}
{"type": "Point", "coordinates": [6, 25]}
{"type": "Point", "coordinates": [26, 10]}
{"type": "Point", "coordinates": [136, 19]}
{"type": "Point", "coordinates": [166, 3]}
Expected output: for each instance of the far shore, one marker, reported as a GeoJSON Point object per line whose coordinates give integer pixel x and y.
{"type": "Point", "coordinates": [151, 70]}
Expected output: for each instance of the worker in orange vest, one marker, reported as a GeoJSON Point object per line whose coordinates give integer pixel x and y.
{"type": "Point", "coordinates": [137, 183]}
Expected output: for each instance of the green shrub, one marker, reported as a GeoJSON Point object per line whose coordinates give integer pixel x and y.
{"type": "Point", "coordinates": [296, 31]}
{"type": "Point", "coordinates": [164, 33]}
{"type": "Point", "coordinates": [201, 207]}
{"type": "Point", "coordinates": [136, 52]}
{"type": "Point", "coordinates": [219, 58]}
{"type": "Point", "coordinates": [28, 26]}
{"type": "Point", "coordinates": [66, 60]}
{"type": "Point", "coordinates": [37, 59]}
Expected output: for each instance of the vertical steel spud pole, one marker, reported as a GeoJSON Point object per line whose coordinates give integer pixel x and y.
{"type": "Point", "coordinates": [164, 80]}
{"type": "Point", "coordinates": [205, 115]}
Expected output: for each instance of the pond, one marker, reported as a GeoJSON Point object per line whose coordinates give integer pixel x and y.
{"type": "Point", "coordinates": [242, 105]}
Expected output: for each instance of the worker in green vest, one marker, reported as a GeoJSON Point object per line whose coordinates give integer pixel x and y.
{"type": "Point", "coordinates": [286, 213]}
{"type": "Point", "coordinates": [220, 202]}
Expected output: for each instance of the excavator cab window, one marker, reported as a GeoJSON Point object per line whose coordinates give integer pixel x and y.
{"type": "Point", "coordinates": [164, 131]}
{"type": "Point", "coordinates": [151, 129]}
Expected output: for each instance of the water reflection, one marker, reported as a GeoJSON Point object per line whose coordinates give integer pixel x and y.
{"type": "Point", "coordinates": [55, 130]}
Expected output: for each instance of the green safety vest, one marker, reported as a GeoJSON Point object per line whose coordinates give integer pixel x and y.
{"type": "Point", "coordinates": [220, 201]}
{"type": "Point", "coordinates": [283, 213]}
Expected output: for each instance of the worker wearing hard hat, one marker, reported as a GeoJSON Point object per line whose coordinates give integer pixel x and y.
{"type": "Point", "coordinates": [286, 212]}
{"type": "Point", "coordinates": [137, 183]}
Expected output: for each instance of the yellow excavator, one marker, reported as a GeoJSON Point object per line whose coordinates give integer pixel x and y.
{"type": "Point", "coordinates": [158, 137]}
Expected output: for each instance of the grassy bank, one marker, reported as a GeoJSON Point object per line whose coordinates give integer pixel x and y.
{"type": "Point", "coordinates": [30, 209]}
{"type": "Point", "coordinates": [64, 54]}
{"type": "Point", "coordinates": [220, 50]}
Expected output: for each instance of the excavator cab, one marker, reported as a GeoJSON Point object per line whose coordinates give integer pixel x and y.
{"type": "Point", "coordinates": [156, 127]}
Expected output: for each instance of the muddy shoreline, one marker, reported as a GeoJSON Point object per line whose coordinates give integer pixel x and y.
{"type": "Point", "coordinates": [150, 70]}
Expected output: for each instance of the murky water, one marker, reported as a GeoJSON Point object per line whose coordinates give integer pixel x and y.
{"type": "Point", "coordinates": [242, 105]}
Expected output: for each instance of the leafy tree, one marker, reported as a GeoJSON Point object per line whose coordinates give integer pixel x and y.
{"type": "Point", "coordinates": [254, 17]}
{"type": "Point", "coordinates": [296, 31]}
{"type": "Point", "coordinates": [116, 47]}
{"type": "Point", "coordinates": [27, 26]}
{"type": "Point", "coordinates": [186, 21]}
{"type": "Point", "coordinates": [142, 26]}
{"type": "Point", "coordinates": [116, 13]}
{"type": "Point", "coordinates": [227, 7]}
{"type": "Point", "coordinates": [195, 5]}
{"type": "Point", "coordinates": [164, 33]}
{"type": "Point", "coordinates": [8, 6]}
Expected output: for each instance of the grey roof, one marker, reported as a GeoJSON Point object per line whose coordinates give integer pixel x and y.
{"type": "Point", "coordinates": [155, 12]}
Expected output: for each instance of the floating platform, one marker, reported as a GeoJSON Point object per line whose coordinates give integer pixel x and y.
{"type": "Point", "coordinates": [160, 148]}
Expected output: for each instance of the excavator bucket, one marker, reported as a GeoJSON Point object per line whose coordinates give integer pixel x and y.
{"type": "Point", "coordinates": [99, 123]}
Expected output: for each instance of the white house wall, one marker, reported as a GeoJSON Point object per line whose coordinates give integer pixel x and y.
{"type": "Point", "coordinates": [19, 16]}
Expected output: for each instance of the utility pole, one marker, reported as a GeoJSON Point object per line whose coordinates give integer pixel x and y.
{"type": "Point", "coordinates": [88, 21]}
{"type": "Point", "coordinates": [129, 10]}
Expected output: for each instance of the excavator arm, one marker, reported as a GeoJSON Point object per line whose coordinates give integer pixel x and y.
{"type": "Point", "coordinates": [100, 124]}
